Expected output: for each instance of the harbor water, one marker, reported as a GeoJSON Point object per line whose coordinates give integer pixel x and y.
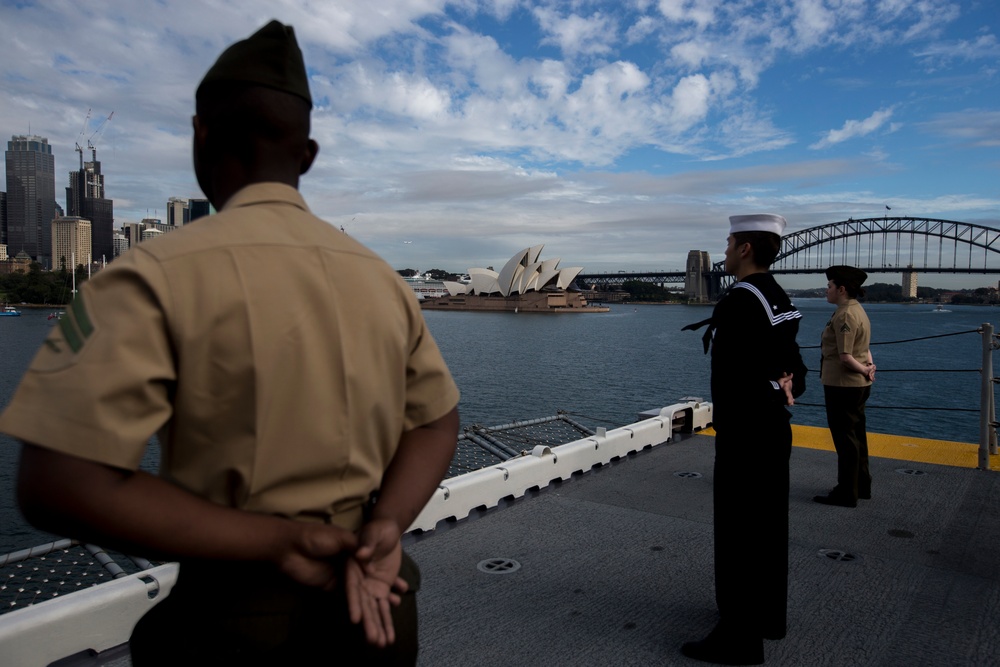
{"type": "Point", "coordinates": [607, 367]}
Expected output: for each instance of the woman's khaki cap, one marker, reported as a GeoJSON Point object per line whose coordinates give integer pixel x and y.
{"type": "Point", "coordinates": [847, 276]}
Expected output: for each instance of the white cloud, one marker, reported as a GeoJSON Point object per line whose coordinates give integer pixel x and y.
{"type": "Point", "coordinates": [612, 83]}
{"type": "Point", "coordinates": [693, 53]}
{"type": "Point", "coordinates": [690, 101]}
{"type": "Point", "coordinates": [639, 30]}
{"type": "Point", "coordinates": [501, 9]}
{"type": "Point", "coordinates": [812, 22]}
{"type": "Point", "coordinates": [931, 19]}
{"type": "Point", "coordinates": [699, 12]}
{"type": "Point", "coordinates": [983, 47]}
{"type": "Point", "coordinates": [979, 128]}
{"type": "Point", "coordinates": [551, 79]}
{"type": "Point", "coordinates": [854, 128]}
{"type": "Point", "coordinates": [747, 132]}
{"type": "Point", "coordinates": [575, 34]}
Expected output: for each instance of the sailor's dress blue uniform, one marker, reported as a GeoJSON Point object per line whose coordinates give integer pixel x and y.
{"type": "Point", "coordinates": [753, 330]}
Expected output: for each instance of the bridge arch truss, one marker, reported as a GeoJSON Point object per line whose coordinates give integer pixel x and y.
{"type": "Point", "coordinates": [891, 245]}
{"type": "Point", "coordinates": [877, 245]}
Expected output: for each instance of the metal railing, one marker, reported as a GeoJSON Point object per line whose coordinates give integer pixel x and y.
{"type": "Point", "coordinates": [987, 403]}
{"type": "Point", "coordinates": [988, 423]}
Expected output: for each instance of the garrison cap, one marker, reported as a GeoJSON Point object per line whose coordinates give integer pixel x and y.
{"type": "Point", "coordinates": [847, 276]}
{"type": "Point", "coordinates": [760, 222]}
{"type": "Point", "coordinates": [270, 57]}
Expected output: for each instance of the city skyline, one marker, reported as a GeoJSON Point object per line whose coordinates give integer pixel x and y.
{"type": "Point", "coordinates": [30, 175]}
{"type": "Point", "coordinates": [620, 134]}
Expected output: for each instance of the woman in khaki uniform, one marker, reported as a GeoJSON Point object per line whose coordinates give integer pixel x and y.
{"type": "Point", "coordinates": [847, 374]}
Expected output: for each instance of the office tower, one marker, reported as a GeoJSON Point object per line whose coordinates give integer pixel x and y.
{"type": "Point", "coordinates": [136, 232]}
{"type": "Point", "coordinates": [85, 199]}
{"type": "Point", "coordinates": [121, 243]}
{"type": "Point", "coordinates": [198, 208]}
{"type": "Point", "coordinates": [133, 233]}
{"type": "Point", "coordinates": [3, 218]}
{"type": "Point", "coordinates": [31, 197]}
{"type": "Point", "coordinates": [177, 211]}
{"type": "Point", "coordinates": [71, 237]}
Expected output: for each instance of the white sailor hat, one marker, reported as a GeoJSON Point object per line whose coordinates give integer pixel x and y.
{"type": "Point", "coordinates": [761, 222]}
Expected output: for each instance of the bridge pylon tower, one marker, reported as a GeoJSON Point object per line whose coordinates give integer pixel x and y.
{"type": "Point", "coordinates": [698, 287]}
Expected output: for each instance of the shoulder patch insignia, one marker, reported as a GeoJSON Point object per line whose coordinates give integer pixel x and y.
{"type": "Point", "coordinates": [76, 325]}
{"type": "Point", "coordinates": [67, 340]}
{"type": "Point", "coordinates": [845, 328]}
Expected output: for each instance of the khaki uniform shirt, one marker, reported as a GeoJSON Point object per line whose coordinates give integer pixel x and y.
{"type": "Point", "coordinates": [847, 332]}
{"type": "Point", "coordinates": [279, 361]}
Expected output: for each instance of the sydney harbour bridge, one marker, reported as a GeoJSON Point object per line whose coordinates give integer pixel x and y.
{"type": "Point", "coordinates": [901, 245]}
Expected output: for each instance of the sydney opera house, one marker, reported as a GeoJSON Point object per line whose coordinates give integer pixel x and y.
{"type": "Point", "coordinates": [524, 284]}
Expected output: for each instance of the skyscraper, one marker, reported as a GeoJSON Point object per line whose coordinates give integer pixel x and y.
{"type": "Point", "coordinates": [3, 218]}
{"type": "Point", "coordinates": [85, 199]}
{"type": "Point", "coordinates": [177, 211]}
{"type": "Point", "coordinates": [198, 208]}
{"type": "Point", "coordinates": [121, 244]}
{"type": "Point", "coordinates": [70, 242]}
{"type": "Point", "coordinates": [132, 231]}
{"type": "Point", "coordinates": [31, 197]}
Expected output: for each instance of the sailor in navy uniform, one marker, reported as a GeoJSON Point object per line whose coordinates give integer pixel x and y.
{"type": "Point", "coordinates": [756, 372]}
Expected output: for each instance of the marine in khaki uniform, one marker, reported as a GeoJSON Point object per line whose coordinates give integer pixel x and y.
{"type": "Point", "coordinates": [847, 373]}
{"type": "Point", "coordinates": [304, 411]}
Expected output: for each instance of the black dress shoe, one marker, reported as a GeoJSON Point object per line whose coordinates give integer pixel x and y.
{"type": "Point", "coordinates": [839, 501]}
{"type": "Point", "coordinates": [726, 649]}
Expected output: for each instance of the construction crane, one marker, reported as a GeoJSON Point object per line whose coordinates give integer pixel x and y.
{"type": "Point", "coordinates": [90, 146]}
{"type": "Point", "coordinates": [79, 137]}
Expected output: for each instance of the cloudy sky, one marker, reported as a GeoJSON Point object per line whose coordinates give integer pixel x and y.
{"type": "Point", "coordinates": [621, 134]}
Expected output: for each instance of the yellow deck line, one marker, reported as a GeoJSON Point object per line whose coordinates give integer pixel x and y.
{"type": "Point", "coordinates": [903, 448]}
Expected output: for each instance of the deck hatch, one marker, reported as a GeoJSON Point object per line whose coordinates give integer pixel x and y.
{"type": "Point", "coordinates": [838, 555]}
{"type": "Point", "coordinates": [498, 566]}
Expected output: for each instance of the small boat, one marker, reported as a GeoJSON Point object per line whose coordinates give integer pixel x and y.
{"type": "Point", "coordinates": [55, 316]}
{"type": "Point", "coordinates": [10, 311]}
{"type": "Point", "coordinates": [940, 309]}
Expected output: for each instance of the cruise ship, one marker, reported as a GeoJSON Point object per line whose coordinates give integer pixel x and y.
{"type": "Point", "coordinates": [426, 287]}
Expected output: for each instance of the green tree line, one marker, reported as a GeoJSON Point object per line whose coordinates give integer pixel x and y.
{"type": "Point", "coordinates": [40, 287]}
{"type": "Point", "coordinates": [640, 291]}
{"type": "Point", "coordinates": [890, 293]}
